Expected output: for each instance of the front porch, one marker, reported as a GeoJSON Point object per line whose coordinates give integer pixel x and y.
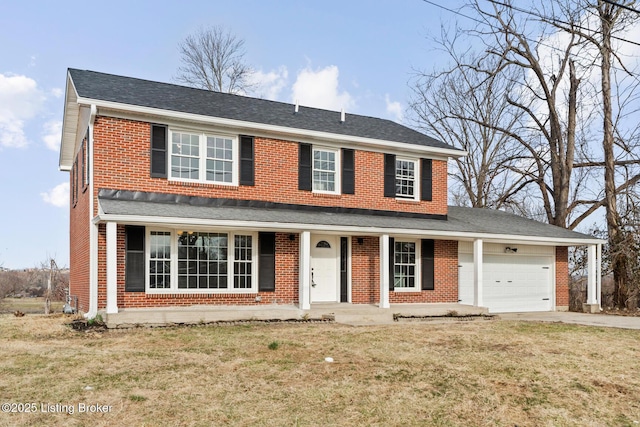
{"type": "Point", "coordinates": [353, 314]}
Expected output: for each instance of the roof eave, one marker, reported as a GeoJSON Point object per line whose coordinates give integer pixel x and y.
{"type": "Point", "coordinates": [69, 126]}
{"type": "Point", "coordinates": [275, 129]}
{"type": "Point", "coordinates": [361, 230]}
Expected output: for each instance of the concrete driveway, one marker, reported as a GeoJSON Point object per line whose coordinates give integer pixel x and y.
{"type": "Point", "coordinates": [606, 320]}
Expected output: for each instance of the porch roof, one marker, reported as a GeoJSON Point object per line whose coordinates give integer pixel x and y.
{"type": "Point", "coordinates": [459, 224]}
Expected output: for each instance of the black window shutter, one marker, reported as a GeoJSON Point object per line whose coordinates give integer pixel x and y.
{"type": "Point", "coordinates": [246, 160]}
{"type": "Point", "coordinates": [348, 171]}
{"type": "Point", "coordinates": [158, 151]}
{"type": "Point", "coordinates": [266, 262]}
{"type": "Point", "coordinates": [427, 255]}
{"type": "Point", "coordinates": [304, 167]}
{"type": "Point", "coordinates": [392, 263]}
{"type": "Point", "coordinates": [134, 262]}
{"type": "Point", "coordinates": [389, 175]}
{"type": "Point", "coordinates": [426, 170]}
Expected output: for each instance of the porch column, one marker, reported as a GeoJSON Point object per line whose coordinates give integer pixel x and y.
{"type": "Point", "coordinates": [592, 297]}
{"type": "Point", "coordinates": [112, 267]}
{"type": "Point", "coordinates": [477, 273]}
{"type": "Point", "coordinates": [305, 271]}
{"type": "Point", "coordinates": [384, 271]}
{"type": "Point", "coordinates": [599, 275]}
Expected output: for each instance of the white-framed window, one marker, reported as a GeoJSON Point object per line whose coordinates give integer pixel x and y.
{"type": "Point", "coordinates": [201, 262]}
{"type": "Point", "coordinates": [406, 268]}
{"type": "Point", "coordinates": [204, 157]}
{"type": "Point", "coordinates": [159, 260]}
{"type": "Point", "coordinates": [325, 170]}
{"type": "Point", "coordinates": [406, 179]}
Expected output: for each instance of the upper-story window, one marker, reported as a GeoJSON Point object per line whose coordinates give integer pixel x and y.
{"type": "Point", "coordinates": [406, 182]}
{"type": "Point", "coordinates": [325, 167]}
{"type": "Point", "coordinates": [203, 157]}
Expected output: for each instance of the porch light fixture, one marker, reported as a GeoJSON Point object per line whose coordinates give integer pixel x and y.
{"type": "Point", "coordinates": [510, 250]}
{"type": "Point", "coordinates": [292, 237]}
{"type": "Point", "coordinates": [360, 240]}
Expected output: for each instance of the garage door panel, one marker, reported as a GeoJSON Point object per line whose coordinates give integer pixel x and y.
{"type": "Point", "coordinates": [510, 282]}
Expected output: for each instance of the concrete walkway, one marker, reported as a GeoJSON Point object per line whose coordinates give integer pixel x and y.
{"type": "Point", "coordinates": [604, 320]}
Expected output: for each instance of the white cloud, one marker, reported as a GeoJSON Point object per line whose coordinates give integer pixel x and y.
{"type": "Point", "coordinates": [269, 85]}
{"type": "Point", "coordinates": [52, 134]}
{"type": "Point", "coordinates": [57, 92]}
{"type": "Point", "coordinates": [319, 89]}
{"type": "Point", "coordinates": [394, 108]}
{"type": "Point", "coordinates": [58, 196]}
{"type": "Point", "coordinates": [20, 100]}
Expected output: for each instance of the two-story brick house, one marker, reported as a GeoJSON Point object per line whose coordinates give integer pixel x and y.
{"type": "Point", "coordinates": [183, 197]}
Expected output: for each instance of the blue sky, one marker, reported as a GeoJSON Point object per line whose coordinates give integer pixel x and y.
{"type": "Point", "coordinates": [355, 54]}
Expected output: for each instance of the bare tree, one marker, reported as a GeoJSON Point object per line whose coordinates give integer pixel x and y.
{"type": "Point", "coordinates": [213, 59]}
{"type": "Point", "coordinates": [490, 175]}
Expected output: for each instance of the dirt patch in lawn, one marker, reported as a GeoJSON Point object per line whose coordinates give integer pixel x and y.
{"type": "Point", "coordinates": [275, 374]}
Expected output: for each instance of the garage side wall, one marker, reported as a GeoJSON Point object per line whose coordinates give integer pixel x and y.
{"type": "Point", "coordinates": [562, 278]}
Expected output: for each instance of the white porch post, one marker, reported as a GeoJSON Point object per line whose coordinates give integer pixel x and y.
{"type": "Point", "coordinates": [477, 273]}
{"type": "Point", "coordinates": [591, 275]}
{"type": "Point", "coordinates": [384, 271]}
{"type": "Point", "coordinates": [112, 267]}
{"type": "Point", "coordinates": [599, 275]}
{"type": "Point", "coordinates": [305, 271]}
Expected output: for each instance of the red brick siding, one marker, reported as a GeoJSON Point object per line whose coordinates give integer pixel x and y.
{"type": "Point", "coordinates": [79, 249]}
{"type": "Point", "coordinates": [445, 278]}
{"type": "Point", "coordinates": [365, 270]}
{"type": "Point", "coordinates": [562, 276]}
{"type": "Point", "coordinates": [122, 162]}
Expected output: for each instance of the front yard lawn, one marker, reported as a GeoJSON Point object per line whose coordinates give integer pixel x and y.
{"type": "Point", "coordinates": [468, 373]}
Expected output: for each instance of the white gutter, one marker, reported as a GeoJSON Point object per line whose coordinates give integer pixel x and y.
{"type": "Point", "coordinates": [282, 130]}
{"type": "Point", "coordinates": [341, 229]}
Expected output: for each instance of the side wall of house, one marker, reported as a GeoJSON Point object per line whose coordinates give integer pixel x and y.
{"type": "Point", "coordinates": [562, 278]}
{"type": "Point", "coordinates": [79, 225]}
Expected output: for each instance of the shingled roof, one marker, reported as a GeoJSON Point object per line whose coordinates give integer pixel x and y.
{"type": "Point", "coordinates": [93, 85]}
{"type": "Point", "coordinates": [460, 222]}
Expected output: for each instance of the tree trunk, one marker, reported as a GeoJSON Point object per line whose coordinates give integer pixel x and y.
{"type": "Point", "coordinates": [618, 257]}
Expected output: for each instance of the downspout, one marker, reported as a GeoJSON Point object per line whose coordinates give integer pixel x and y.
{"type": "Point", "coordinates": [93, 228]}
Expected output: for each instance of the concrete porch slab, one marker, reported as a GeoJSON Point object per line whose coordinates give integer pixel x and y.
{"type": "Point", "coordinates": [353, 314]}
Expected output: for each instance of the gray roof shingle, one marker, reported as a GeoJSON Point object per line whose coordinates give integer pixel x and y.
{"type": "Point", "coordinates": [171, 97]}
{"type": "Point", "coordinates": [459, 219]}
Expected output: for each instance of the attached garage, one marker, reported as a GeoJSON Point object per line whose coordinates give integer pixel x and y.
{"type": "Point", "coordinates": [515, 277]}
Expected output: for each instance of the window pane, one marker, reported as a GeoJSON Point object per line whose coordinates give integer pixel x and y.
{"type": "Point", "coordinates": [243, 249]}
{"type": "Point", "coordinates": [404, 265]}
{"type": "Point", "coordinates": [205, 256]}
{"type": "Point", "coordinates": [159, 260]}
{"type": "Point", "coordinates": [405, 178]}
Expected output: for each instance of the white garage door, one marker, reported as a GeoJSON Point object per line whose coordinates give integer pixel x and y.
{"type": "Point", "coordinates": [510, 282]}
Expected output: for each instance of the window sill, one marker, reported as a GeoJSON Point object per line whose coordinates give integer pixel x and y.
{"type": "Point", "coordinates": [327, 195]}
{"type": "Point", "coordinates": [203, 185]}
{"type": "Point", "coordinates": [187, 292]}
{"type": "Point", "coordinates": [408, 201]}
{"type": "Point", "coordinates": [407, 290]}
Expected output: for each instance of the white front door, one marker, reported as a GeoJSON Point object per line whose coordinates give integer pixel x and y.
{"type": "Point", "coordinates": [324, 269]}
